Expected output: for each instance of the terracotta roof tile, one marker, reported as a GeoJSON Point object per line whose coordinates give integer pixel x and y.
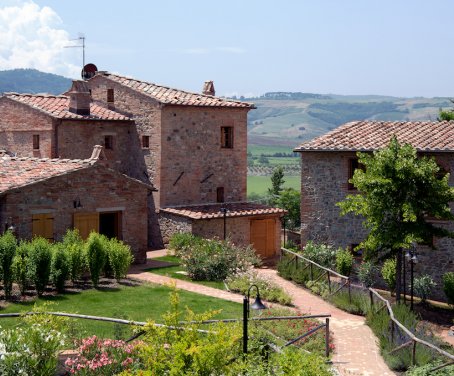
{"type": "Point", "coordinates": [428, 136]}
{"type": "Point", "coordinates": [19, 172]}
{"type": "Point", "coordinates": [57, 106]}
{"type": "Point", "coordinates": [208, 211]}
{"type": "Point", "coordinates": [168, 95]}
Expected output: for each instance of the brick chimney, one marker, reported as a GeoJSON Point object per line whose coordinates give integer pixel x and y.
{"type": "Point", "coordinates": [208, 88]}
{"type": "Point", "coordinates": [79, 98]}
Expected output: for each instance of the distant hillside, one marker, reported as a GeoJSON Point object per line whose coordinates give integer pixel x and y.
{"type": "Point", "coordinates": [284, 118]}
{"type": "Point", "coordinates": [32, 81]}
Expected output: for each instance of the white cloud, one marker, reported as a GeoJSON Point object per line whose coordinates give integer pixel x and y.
{"type": "Point", "coordinates": [231, 50]}
{"type": "Point", "coordinates": [31, 37]}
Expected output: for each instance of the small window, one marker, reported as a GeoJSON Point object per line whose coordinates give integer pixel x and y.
{"type": "Point", "coordinates": [145, 142]}
{"type": "Point", "coordinates": [227, 137]}
{"type": "Point", "coordinates": [220, 194]}
{"type": "Point", "coordinates": [353, 164]}
{"type": "Point", "coordinates": [110, 96]}
{"type": "Point", "coordinates": [108, 142]}
{"type": "Point", "coordinates": [36, 142]}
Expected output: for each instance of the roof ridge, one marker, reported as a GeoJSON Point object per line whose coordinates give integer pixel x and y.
{"type": "Point", "coordinates": [44, 95]}
{"type": "Point", "coordinates": [49, 160]}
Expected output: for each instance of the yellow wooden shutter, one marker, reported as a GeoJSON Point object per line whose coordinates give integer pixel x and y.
{"type": "Point", "coordinates": [263, 236]}
{"type": "Point", "coordinates": [86, 223]}
{"type": "Point", "coordinates": [43, 225]}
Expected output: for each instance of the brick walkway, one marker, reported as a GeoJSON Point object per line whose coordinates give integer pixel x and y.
{"type": "Point", "coordinates": [356, 350]}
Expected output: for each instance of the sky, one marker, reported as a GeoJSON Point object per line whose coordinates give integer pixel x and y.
{"type": "Point", "coordinates": [248, 47]}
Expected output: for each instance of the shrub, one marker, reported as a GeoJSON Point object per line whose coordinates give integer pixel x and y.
{"type": "Point", "coordinates": [181, 241]}
{"type": "Point", "coordinates": [359, 304]}
{"type": "Point", "coordinates": [96, 256]}
{"type": "Point", "coordinates": [74, 246]}
{"type": "Point", "coordinates": [426, 370]}
{"type": "Point", "coordinates": [20, 266]}
{"type": "Point", "coordinates": [40, 258]}
{"type": "Point", "coordinates": [8, 246]}
{"type": "Point", "coordinates": [366, 273]}
{"type": "Point", "coordinates": [319, 288]}
{"type": "Point", "coordinates": [423, 286]}
{"type": "Point", "coordinates": [214, 260]}
{"type": "Point", "coordinates": [388, 272]}
{"type": "Point", "coordinates": [322, 254]}
{"type": "Point", "coordinates": [120, 258]}
{"type": "Point", "coordinates": [268, 289]}
{"type": "Point", "coordinates": [60, 266]}
{"type": "Point", "coordinates": [448, 286]}
{"type": "Point", "coordinates": [344, 262]}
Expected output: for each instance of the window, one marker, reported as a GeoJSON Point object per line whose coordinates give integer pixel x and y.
{"type": "Point", "coordinates": [220, 194]}
{"type": "Point", "coordinates": [110, 96]}
{"type": "Point", "coordinates": [227, 137]}
{"type": "Point", "coordinates": [353, 164]}
{"type": "Point", "coordinates": [145, 142]}
{"type": "Point", "coordinates": [108, 142]}
{"type": "Point", "coordinates": [43, 225]}
{"type": "Point", "coordinates": [36, 142]}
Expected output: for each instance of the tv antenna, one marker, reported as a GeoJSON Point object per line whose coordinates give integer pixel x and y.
{"type": "Point", "coordinates": [81, 38]}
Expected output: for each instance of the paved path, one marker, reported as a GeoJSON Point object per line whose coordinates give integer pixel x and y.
{"type": "Point", "coordinates": [356, 350]}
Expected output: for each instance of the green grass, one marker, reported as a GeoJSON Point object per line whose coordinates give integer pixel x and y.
{"type": "Point", "coordinates": [172, 272]}
{"type": "Point", "coordinates": [257, 150]}
{"type": "Point", "coordinates": [138, 303]}
{"type": "Point", "coordinates": [260, 184]}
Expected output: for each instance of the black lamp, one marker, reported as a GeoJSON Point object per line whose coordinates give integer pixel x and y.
{"type": "Point", "coordinates": [256, 305]}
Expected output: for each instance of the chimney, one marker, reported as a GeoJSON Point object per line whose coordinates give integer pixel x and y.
{"type": "Point", "coordinates": [79, 98]}
{"type": "Point", "coordinates": [208, 88]}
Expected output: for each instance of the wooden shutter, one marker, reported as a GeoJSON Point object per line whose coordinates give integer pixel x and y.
{"type": "Point", "coordinates": [86, 223]}
{"type": "Point", "coordinates": [43, 225]}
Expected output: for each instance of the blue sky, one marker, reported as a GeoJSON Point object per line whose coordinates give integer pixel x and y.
{"type": "Point", "coordinates": [400, 48]}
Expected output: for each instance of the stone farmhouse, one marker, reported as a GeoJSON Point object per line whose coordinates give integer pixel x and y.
{"type": "Point", "coordinates": [188, 150]}
{"type": "Point", "coordinates": [329, 161]}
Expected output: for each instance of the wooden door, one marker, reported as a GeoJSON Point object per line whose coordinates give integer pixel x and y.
{"type": "Point", "coordinates": [43, 225]}
{"type": "Point", "coordinates": [86, 223]}
{"type": "Point", "coordinates": [263, 237]}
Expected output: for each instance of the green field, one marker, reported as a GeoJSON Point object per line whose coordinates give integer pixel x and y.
{"type": "Point", "coordinates": [260, 184]}
{"type": "Point", "coordinates": [257, 150]}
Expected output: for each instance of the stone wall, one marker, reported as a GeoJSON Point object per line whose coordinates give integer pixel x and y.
{"type": "Point", "coordinates": [18, 124]}
{"type": "Point", "coordinates": [324, 182]}
{"type": "Point", "coordinates": [172, 224]}
{"type": "Point", "coordinates": [237, 229]}
{"type": "Point", "coordinates": [98, 189]}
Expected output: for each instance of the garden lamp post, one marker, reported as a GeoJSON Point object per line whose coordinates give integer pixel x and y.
{"type": "Point", "coordinates": [224, 211]}
{"type": "Point", "coordinates": [256, 305]}
{"type": "Point", "coordinates": [413, 259]}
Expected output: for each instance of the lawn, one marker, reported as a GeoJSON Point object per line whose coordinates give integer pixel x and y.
{"type": "Point", "coordinates": [175, 271]}
{"type": "Point", "coordinates": [138, 303]}
{"type": "Point", "coordinates": [260, 184]}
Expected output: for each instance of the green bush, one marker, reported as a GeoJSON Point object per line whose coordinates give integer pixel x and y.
{"type": "Point", "coordinates": [322, 254]}
{"type": "Point", "coordinates": [426, 370]}
{"type": "Point", "coordinates": [120, 258]}
{"type": "Point", "coordinates": [8, 246]}
{"type": "Point", "coordinates": [181, 241]}
{"type": "Point", "coordinates": [448, 286]}
{"type": "Point", "coordinates": [299, 272]}
{"type": "Point", "coordinates": [96, 256]}
{"type": "Point", "coordinates": [367, 273]}
{"type": "Point", "coordinates": [20, 266]}
{"type": "Point", "coordinates": [344, 262]}
{"type": "Point", "coordinates": [268, 289]}
{"type": "Point", "coordinates": [214, 260]}
{"type": "Point", "coordinates": [319, 288]}
{"type": "Point", "coordinates": [40, 258]}
{"type": "Point", "coordinates": [359, 304]}
{"type": "Point", "coordinates": [74, 246]}
{"type": "Point", "coordinates": [423, 286]}
{"type": "Point", "coordinates": [388, 272]}
{"type": "Point", "coordinates": [60, 266]}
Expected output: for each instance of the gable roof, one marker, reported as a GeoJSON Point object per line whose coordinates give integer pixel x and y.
{"type": "Point", "coordinates": [425, 136]}
{"type": "Point", "coordinates": [234, 209]}
{"type": "Point", "coordinates": [57, 106]}
{"type": "Point", "coordinates": [166, 95]}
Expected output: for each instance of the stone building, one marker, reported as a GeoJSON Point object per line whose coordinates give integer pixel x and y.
{"type": "Point", "coordinates": [328, 162]}
{"type": "Point", "coordinates": [194, 148]}
{"type": "Point", "coordinates": [45, 197]}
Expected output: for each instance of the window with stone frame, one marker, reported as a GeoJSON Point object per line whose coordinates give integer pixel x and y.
{"type": "Point", "coordinates": [36, 142]}
{"type": "Point", "coordinates": [108, 142]}
{"type": "Point", "coordinates": [110, 96]}
{"type": "Point", "coordinates": [227, 137]}
{"type": "Point", "coordinates": [353, 164]}
{"type": "Point", "coordinates": [220, 194]}
{"type": "Point", "coordinates": [145, 142]}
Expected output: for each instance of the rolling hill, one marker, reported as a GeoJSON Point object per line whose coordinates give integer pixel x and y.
{"type": "Point", "coordinates": [32, 81]}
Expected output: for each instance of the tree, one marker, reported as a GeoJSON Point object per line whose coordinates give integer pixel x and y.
{"type": "Point", "coordinates": [399, 191]}
{"type": "Point", "coordinates": [290, 200]}
{"type": "Point", "coordinates": [447, 115]}
{"type": "Point", "coordinates": [277, 181]}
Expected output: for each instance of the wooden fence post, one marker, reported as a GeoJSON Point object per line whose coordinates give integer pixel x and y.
{"type": "Point", "coordinates": [327, 337]}
{"type": "Point", "coordinates": [371, 299]}
{"type": "Point", "coordinates": [413, 354]}
{"type": "Point", "coordinates": [312, 272]}
{"type": "Point", "coordinates": [329, 282]}
{"type": "Point", "coordinates": [349, 291]}
{"type": "Point", "coordinates": [392, 331]}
